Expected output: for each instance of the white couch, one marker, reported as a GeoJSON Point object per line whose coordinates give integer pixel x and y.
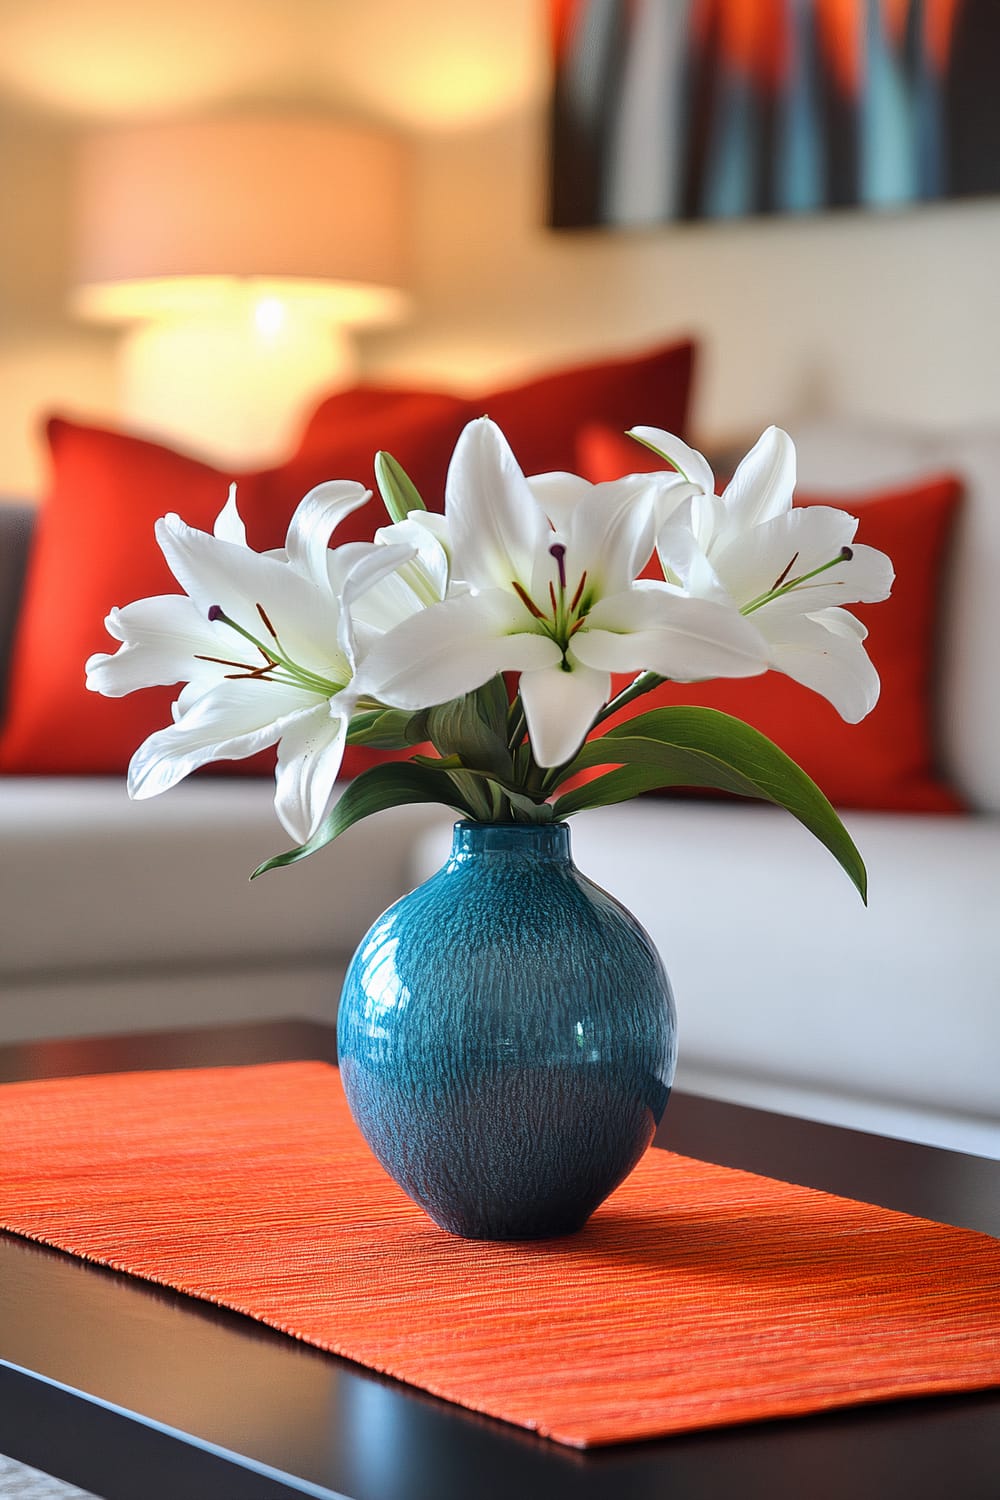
{"type": "Point", "coordinates": [790, 994]}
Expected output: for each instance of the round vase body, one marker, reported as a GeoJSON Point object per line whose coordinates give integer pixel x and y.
{"type": "Point", "coordinates": [507, 1037]}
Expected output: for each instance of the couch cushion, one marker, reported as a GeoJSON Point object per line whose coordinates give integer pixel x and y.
{"type": "Point", "coordinates": [91, 883]}
{"type": "Point", "coordinates": [419, 428]}
{"type": "Point", "coordinates": [781, 974]}
{"type": "Point", "coordinates": [542, 416]}
{"type": "Point", "coordinates": [889, 761]}
{"type": "Point", "coordinates": [842, 457]}
{"type": "Point", "coordinates": [94, 548]}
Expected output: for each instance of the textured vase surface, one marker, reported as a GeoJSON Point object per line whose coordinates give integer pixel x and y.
{"type": "Point", "coordinates": [507, 1037]}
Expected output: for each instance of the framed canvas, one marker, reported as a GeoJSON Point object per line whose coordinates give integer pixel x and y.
{"type": "Point", "coordinates": [716, 109]}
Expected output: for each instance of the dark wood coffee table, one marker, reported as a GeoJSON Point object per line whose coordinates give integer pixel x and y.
{"type": "Point", "coordinates": [138, 1393]}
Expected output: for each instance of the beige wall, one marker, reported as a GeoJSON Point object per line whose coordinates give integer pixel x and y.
{"type": "Point", "coordinates": [45, 361]}
{"type": "Point", "coordinates": [893, 316]}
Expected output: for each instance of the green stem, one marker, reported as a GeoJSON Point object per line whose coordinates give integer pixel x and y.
{"type": "Point", "coordinates": [644, 683]}
{"type": "Point", "coordinates": [516, 724]}
{"type": "Point", "coordinates": [275, 656]}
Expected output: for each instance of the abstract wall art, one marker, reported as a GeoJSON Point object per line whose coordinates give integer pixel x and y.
{"type": "Point", "coordinates": [716, 109]}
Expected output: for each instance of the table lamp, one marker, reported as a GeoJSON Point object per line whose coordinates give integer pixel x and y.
{"type": "Point", "coordinates": [238, 253]}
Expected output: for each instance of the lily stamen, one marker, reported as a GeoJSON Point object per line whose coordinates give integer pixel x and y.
{"type": "Point", "coordinates": [526, 599]}
{"type": "Point", "coordinates": [785, 572]}
{"type": "Point", "coordinates": [273, 660]}
{"type": "Point", "coordinates": [267, 624]}
{"type": "Point", "coordinates": [579, 591]}
{"type": "Point", "coordinates": [780, 590]}
{"type": "Point", "coordinates": [260, 673]}
{"type": "Point", "coordinates": [223, 661]}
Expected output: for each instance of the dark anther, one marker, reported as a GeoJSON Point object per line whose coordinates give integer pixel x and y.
{"type": "Point", "coordinates": [782, 576]}
{"type": "Point", "coordinates": [267, 624]}
{"type": "Point", "coordinates": [526, 600]}
{"type": "Point", "coordinates": [579, 591]}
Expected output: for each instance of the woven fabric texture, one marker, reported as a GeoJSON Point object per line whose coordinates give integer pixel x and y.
{"type": "Point", "coordinates": [696, 1297]}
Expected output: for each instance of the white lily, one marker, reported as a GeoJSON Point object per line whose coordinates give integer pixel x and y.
{"type": "Point", "coordinates": [549, 568]}
{"type": "Point", "coordinates": [264, 644]}
{"type": "Point", "coordinates": [791, 570]}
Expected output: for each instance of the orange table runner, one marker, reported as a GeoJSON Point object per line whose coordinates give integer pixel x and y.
{"type": "Point", "coordinates": [697, 1296]}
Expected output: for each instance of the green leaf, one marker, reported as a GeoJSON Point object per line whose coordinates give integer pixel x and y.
{"type": "Point", "coordinates": [477, 794]}
{"type": "Point", "coordinates": [396, 487]}
{"type": "Point", "coordinates": [474, 727]}
{"type": "Point", "coordinates": [700, 747]}
{"type": "Point", "coordinates": [388, 729]}
{"type": "Point", "coordinates": [493, 705]}
{"type": "Point", "coordinates": [390, 785]}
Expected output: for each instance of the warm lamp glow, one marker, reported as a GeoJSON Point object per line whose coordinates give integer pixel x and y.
{"type": "Point", "coordinates": [156, 298]}
{"type": "Point", "coordinates": [239, 251]}
{"type": "Point", "coordinates": [232, 389]}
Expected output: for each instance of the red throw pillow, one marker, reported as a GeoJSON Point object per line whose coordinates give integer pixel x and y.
{"type": "Point", "coordinates": [94, 548]}
{"type": "Point", "coordinates": [605, 453]}
{"type": "Point", "coordinates": [419, 429]}
{"type": "Point", "coordinates": [889, 760]}
{"type": "Point", "coordinates": [541, 417]}
{"type": "Point", "coordinates": [94, 545]}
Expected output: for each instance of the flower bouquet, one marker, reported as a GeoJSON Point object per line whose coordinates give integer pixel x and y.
{"type": "Point", "coordinates": [411, 640]}
{"type": "Point", "coordinates": [506, 1032]}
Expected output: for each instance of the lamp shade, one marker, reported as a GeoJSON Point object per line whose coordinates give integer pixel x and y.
{"type": "Point", "coordinates": [167, 214]}
{"type": "Point", "coordinates": [238, 251]}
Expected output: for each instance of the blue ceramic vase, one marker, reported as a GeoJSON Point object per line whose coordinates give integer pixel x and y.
{"type": "Point", "coordinates": [507, 1037]}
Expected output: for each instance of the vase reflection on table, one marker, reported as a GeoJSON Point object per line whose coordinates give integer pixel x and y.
{"type": "Point", "coordinates": [507, 1031]}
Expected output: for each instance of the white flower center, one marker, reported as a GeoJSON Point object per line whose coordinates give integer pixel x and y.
{"type": "Point", "coordinates": [275, 664]}
{"type": "Point", "coordinates": [565, 613]}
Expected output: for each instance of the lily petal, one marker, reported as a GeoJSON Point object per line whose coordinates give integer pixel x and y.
{"type": "Point", "coordinates": [309, 758]}
{"type": "Point", "coordinates": [364, 575]}
{"type": "Point", "coordinates": [229, 525]}
{"type": "Point", "coordinates": [560, 705]}
{"type": "Point", "coordinates": [453, 648]}
{"type": "Point", "coordinates": [315, 519]}
{"type": "Point", "coordinates": [559, 493]}
{"type": "Point", "coordinates": [611, 533]}
{"type": "Point", "coordinates": [162, 639]}
{"type": "Point", "coordinates": [213, 572]}
{"type": "Point", "coordinates": [656, 629]}
{"type": "Point", "coordinates": [229, 722]}
{"type": "Point", "coordinates": [764, 481]}
{"type": "Point", "coordinates": [798, 543]}
{"type": "Point", "coordinates": [429, 578]}
{"type": "Point", "coordinates": [755, 562]}
{"type": "Point", "coordinates": [497, 527]}
{"type": "Point", "coordinates": [682, 559]}
{"type": "Point", "coordinates": [689, 463]}
{"type": "Point", "coordinates": [825, 653]}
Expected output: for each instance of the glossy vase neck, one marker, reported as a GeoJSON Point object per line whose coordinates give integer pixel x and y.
{"type": "Point", "coordinates": [524, 840]}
